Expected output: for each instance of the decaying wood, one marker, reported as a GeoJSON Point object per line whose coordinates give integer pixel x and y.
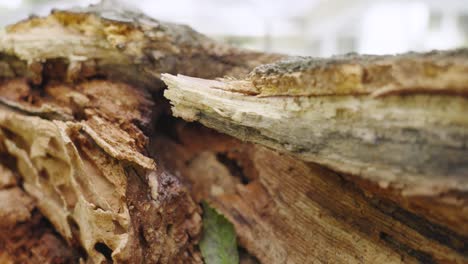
{"type": "Point", "coordinates": [25, 235]}
{"type": "Point", "coordinates": [93, 170]}
{"type": "Point", "coordinates": [75, 113]}
{"type": "Point", "coordinates": [105, 41]}
{"type": "Point", "coordinates": [289, 211]}
{"type": "Point", "coordinates": [397, 120]}
{"type": "Point", "coordinates": [395, 127]}
{"type": "Point", "coordinates": [79, 171]}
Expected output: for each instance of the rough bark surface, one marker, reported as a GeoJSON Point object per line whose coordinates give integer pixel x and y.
{"type": "Point", "coordinates": [394, 127]}
{"type": "Point", "coordinates": [397, 120]}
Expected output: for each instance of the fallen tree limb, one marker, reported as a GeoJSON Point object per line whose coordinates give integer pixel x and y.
{"type": "Point", "coordinates": [397, 138]}
{"type": "Point", "coordinates": [365, 116]}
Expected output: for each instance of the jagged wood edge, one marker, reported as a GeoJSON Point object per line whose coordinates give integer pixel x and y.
{"type": "Point", "coordinates": [415, 142]}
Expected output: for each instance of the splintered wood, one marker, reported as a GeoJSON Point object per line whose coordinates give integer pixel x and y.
{"type": "Point", "coordinates": [397, 120]}
{"type": "Point", "coordinates": [352, 159]}
{"type": "Point", "coordinates": [395, 127]}
{"type": "Point", "coordinates": [77, 97]}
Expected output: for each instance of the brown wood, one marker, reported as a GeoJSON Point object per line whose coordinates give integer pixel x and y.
{"type": "Point", "coordinates": [394, 128]}
{"type": "Point", "coordinates": [105, 41]}
{"type": "Point", "coordinates": [77, 104]}
{"type": "Point", "coordinates": [25, 235]}
{"type": "Point", "coordinates": [404, 125]}
{"type": "Point", "coordinates": [94, 169]}
{"type": "Point", "coordinates": [289, 211]}
{"type": "Point", "coordinates": [79, 171]}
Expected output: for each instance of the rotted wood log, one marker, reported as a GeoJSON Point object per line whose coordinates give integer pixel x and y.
{"type": "Point", "coordinates": [394, 128]}
{"type": "Point", "coordinates": [286, 210]}
{"type": "Point", "coordinates": [351, 160]}
{"type": "Point", "coordinates": [78, 99]}
{"type": "Point", "coordinates": [89, 174]}
{"type": "Point", "coordinates": [397, 120]}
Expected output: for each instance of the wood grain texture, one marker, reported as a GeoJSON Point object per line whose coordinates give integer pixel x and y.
{"type": "Point", "coordinates": [76, 109]}
{"type": "Point", "coordinates": [371, 165]}
{"type": "Point", "coordinates": [289, 211]}
{"type": "Point", "coordinates": [408, 131]}
{"type": "Point", "coordinates": [91, 175]}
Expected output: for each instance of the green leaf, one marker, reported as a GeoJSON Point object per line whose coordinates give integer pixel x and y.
{"type": "Point", "coordinates": [218, 244]}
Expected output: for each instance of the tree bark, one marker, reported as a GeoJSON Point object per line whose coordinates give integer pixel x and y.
{"type": "Point", "coordinates": [396, 120]}
{"type": "Point", "coordinates": [393, 127]}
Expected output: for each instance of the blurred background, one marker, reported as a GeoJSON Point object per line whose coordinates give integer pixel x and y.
{"type": "Point", "coordinates": [299, 27]}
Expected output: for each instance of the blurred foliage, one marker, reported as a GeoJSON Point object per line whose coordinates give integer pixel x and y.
{"type": "Point", "coordinates": [218, 244]}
